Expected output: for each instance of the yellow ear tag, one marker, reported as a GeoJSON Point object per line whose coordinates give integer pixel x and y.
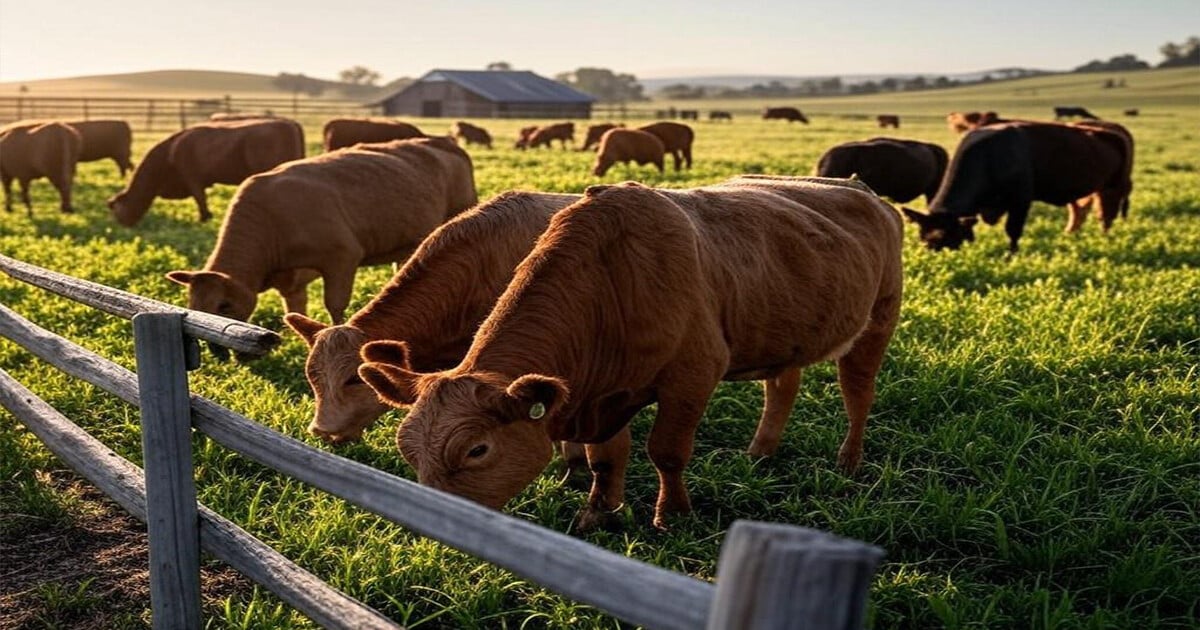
{"type": "Point", "coordinates": [537, 411]}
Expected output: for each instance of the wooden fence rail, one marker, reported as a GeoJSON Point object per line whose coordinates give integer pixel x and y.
{"type": "Point", "coordinates": [835, 573]}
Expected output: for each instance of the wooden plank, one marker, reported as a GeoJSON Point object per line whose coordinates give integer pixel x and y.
{"type": "Point", "coordinates": [171, 521]}
{"type": "Point", "coordinates": [245, 338]}
{"type": "Point", "coordinates": [772, 576]}
{"type": "Point", "coordinates": [631, 590]}
{"type": "Point", "coordinates": [123, 482]}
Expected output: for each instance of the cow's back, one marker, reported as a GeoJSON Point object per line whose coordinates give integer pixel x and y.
{"type": "Point", "coordinates": [229, 152]}
{"type": "Point", "coordinates": [1070, 162]}
{"type": "Point", "coordinates": [104, 139]}
{"type": "Point", "coordinates": [32, 151]}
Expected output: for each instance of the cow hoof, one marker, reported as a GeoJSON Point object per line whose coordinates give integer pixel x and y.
{"type": "Point", "coordinates": [849, 460]}
{"type": "Point", "coordinates": [591, 519]}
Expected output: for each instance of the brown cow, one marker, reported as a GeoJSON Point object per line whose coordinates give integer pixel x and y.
{"type": "Point", "coordinates": [900, 169]}
{"type": "Point", "coordinates": [101, 139]}
{"type": "Point", "coordinates": [471, 134]}
{"type": "Point", "coordinates": [635, 296]}
{"type": "Point", "coordinates": [960, 122]}
{"type": "Point", "coordinates": [676, 140]}
{"type": "Point", "coordinates": [718, 114]}
{"type": "Point", "coordinates": [433, 304]}
{"type": "Point", "coordinates": [189, 161]}
{"type": "Point", "coordinates": [562, 132]}
{"type": "Point", "coordinates": [523, 136]}
{"type": "Point", "coordinates": [888, 120]}
{"type": "Point", "coordinates": [628, 145]}
{"type": "Point", "coordinates": [325, 216]}
{"type": "Point", "coordinates": [594, 132]}
{"type": "Point", "coordinates": [790, 114]}
{"type": "Point", "coordinates": [48, 150]}
{"type": "Point", "coordinates": [340, 133]}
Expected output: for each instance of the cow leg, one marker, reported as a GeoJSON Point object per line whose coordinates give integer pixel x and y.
{"type": "Point", "coordinates": [659, 164]}
{"type": "Point", "coordinates": [62, 183]}
{"type": "Point", "coordinates": [780, 396]}
{"type": "Point", "coordinates": [687, 156]}
{"type": "Point", "coordinates": [1108, 206]}
{"type": "Point", "coordinates": [1014, 226]}
{"type": "Point", "coordinates": [201, 198]}
{"type": "Point", "coordinates": [1076, 214]}
{"type": "Point", "coordinates": [575, 459]}
{"type": "Point", "coordinates": [678, 160]}
{"type": "Point", "coordinates": [681, 401]}
{"type": "Point", "coordinates": [339, 284]}
{"type": "Point", "coordinates": [293, 286]}
{"type": "Point", "coordinates": [607, 461]}
{"type": "Point", "coordinates": [24, 185]}
{"type": "Point", "coordinates": [6, 179]}
{"type": "Point", "coordinates": [857, 370]}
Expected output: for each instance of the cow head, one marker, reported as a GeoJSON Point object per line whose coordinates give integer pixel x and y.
{"type": "Point", "coordinates": [217, 293]}
{"type": "Point", "coordinates": [942, 230]}
{"type": "Point", "coordinates": [474, 434]}
{"type": "Point", "coordinates": [345, 405]}
{"type": "Point", "coordinates": [126, 210]}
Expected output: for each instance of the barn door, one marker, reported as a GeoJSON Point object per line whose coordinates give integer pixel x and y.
{"type": "Point", "coordinates": [431, 109]}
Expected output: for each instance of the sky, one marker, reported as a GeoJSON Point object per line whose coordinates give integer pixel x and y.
{"type": "Point", "coordinates": [649, 38]}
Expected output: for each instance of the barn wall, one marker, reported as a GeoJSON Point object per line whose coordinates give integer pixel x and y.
{"type": "Point", "coordinates": [457, 102]}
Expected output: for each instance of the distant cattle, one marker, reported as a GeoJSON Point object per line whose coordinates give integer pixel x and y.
{"type": "Point", "coordinates": [50, 150]}
{"type": "Point", "coordinates": [523, 136]}
{"type": "Point", "coordinates": [471, 134]}
{"type": "Point", "coordinates": [340, 133]}
{"type": "Point", "coordinates": [1131, 112]}
{"type": "Point", "coordinates": [718, 114]}
{"type": "Point", "coordinates": [594, 132]}
{"type": "Point", "coordinates": [689, 114]}
{"type": "Point", "coordinates": [960, 121]}
{"type": "Point", "coordinates": [900, 169]}
{"type": "Point", "coordinates": [676, 139]}
{"type": "Point", "coordinates": [563, 132]}
{"type": "Point", "coordinates": [790, 114]}
{"type": "Point", "coordinates": [189, 161]}
{"type": "Point", "coordinates": [628, 145]}
{"type": "Point", "coordinates": [888, 120]}
{"type": "Point", "coordinates": [101, 139]}
{"type": "Point", "coordinates": [1073, 112]}
{"type": "Point", "coordinates": [1002, 169]}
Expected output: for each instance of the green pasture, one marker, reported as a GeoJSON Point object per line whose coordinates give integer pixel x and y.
{"type": "Point", "coordinates": [1032, 460]}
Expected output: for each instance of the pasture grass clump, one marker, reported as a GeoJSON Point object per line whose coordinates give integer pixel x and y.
{"type": "Point", "coordinates": [1032, 459]}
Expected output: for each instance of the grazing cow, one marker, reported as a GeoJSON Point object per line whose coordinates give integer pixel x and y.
{"type": "Point", "coordinates": [1073, 112]}
{"type": "Point", "coordinates": [888, 120]}
{"type": "Point", "coordinates": [433, 304]}
{"type": "Point", "coordinates": [689, 114]}
{"type": "Point", "coordinates": [717, 114]}
{"type": "Point", "coordinates": [524, 135]}
{"type": "Point", "coordinates": [676, 139]}
{"type": "Point", "coordinates": [634, 296]}
{"type": "Point", "coordinates": [900, 169]}
{"type": "Point", "coordinates": [1133, 111]}
{"type": "Point", "coordinates": [1004, 168]}
{"type": "Point", "coordinates": [189, 161]}
{"type": "Point", "coordinates": [563, 132]}
{"type": "Point", "coordinates": [594, 132]}
{"type": "Point", "coordinates": [628, 145]}
{"type": "Point", "coordinates": [471, 134]}
{"type": "Point", "coordinates": [960, 122]}
{"type": "Point", "coordinates": [325, 217]}
{"type": "Point", "coordinates": [101, 139]}
{"type": "Point", "coordinates": [340, 133]}
{"type": "Point", "coordinates": [48, 150]}
{"type": "Point", "coordinates": [790, 114]}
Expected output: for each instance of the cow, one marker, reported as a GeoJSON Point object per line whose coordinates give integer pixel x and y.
{"type": "Point", "coordinates": [594, 132]}
{"type": "Point", "coordinates": [689, 114]}
{"type": "Point", "coordinates": [900, 169]}
{"type": "Point", "coordinates": [718, 114]}
{"type": "Point", "coordinates": [628, 145]}
{"type": "Point", "coordinates": [29, 152]}
{"type": "Point", "coordinates": [960, 122]}
{"type": "Point", "coordinates": [1001, 169]}
{"type": "Point", "coordinates": [434, 304]}
{"type": "Point", "coordinates": [790, 114]}
{"type": "Point", "coordinates": [101, 139]}
{"type": "Point", "coordinates": [1133, 111]}
{"type": "Point", "coordinates": [340, 133]}
{"type": "Point", "coordinates": [563, 132]}
{"type": "Point", "coordinates": [189, 161]}
{"type": "Point", "coordinates": [325, 216]}
{"type": "Point", "coordinates": [888, 120]}
{"type": "Point", "coordinates": [471, 134]}
{"type": "Point", "coordinates": [676, 139]}
{"type": "Point", "coordinates": [523, 136]}
{"type": "Point", "coordinates": [634, 296]}
{"type": "Point", "coordinates": [1073, 112]}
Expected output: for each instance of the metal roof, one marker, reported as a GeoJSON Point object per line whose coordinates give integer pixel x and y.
{"type": "Point", "coordinates": [505, 86]}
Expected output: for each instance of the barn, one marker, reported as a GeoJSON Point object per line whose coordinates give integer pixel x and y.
{"type": "Point", "coordinates": [486, 94]}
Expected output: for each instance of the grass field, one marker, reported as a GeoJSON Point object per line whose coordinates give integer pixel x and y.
{"type": "Point", "coordinates": [1032, 460]}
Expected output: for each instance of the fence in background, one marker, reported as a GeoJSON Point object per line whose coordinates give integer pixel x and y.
{"type": "Point", "coordinates": [769, 576]}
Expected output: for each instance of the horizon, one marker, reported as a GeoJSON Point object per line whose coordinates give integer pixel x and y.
{"type": "Point", "coordinates": [879, 39]}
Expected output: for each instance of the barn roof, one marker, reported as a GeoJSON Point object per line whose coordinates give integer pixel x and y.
{"type": "Point", "coordinates": [505, 86]}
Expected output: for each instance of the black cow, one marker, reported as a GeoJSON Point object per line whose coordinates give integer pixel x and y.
{"type": "Point", "coordinates": [790, 114]}
{"type": "Point", "coordinates": [900, 169]}
{"type": "Point", "coordinates": [1003, 169]}
{"type": "Point", "coordinates": [1073, 112]}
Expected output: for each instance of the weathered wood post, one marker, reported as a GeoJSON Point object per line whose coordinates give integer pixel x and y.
{"type": "Point", "coordinates": [182, 115]}
{"type": "Point", "coordinates": [85, 109]}
{"type": "Point", "coordinates": [172, 522]}
{"type": "Point", "coordinates": [772, 576]}
{"type": "Point", "coordinates": [149, 116]}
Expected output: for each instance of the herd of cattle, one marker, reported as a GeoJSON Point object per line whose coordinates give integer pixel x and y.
{"type": "Point", "coordinates": [539, 318]}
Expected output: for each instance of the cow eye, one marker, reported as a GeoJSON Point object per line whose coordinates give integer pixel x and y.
{"type": "Point", "coordinates": [353, 380]}
{"type": "Point", "coordinates": [479, 451]}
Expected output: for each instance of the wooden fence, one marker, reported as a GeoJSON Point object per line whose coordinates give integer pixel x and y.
{"type": "Point", "coordinates": [769, 576]}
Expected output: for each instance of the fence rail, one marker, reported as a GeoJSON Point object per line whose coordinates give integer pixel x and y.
{"type": "Point", "coordinates": [779, 576]}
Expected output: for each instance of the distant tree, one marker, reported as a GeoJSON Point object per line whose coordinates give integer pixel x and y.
{"type": "Point", "coordinates": [1116, 64]}
{"type": "Point", "coordinates": [832, 85]}
{"type": "Point", "coordinates": [889, 84]}
{"type": "Point", "coordinates": [1179, 55]}
{"type": "Point", "coordinates": [604, 84]}
{"type": "Point", "coordinates": [298, 84]}
{"type": "Point", "coordinates": [681, 91]}
{"type": "Point", "coordinates": [359, 75]}
{"type": "Point", "coordinates": [499, 65]}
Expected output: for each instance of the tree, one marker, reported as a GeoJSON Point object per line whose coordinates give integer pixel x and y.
{"type": "Point", "coordinates": [1179, 55]}
{"type": "Point", "coordinates": [359, 75]}
{"type": "Point", "coordinates": [682, 91]}
{"type": "Point", "coordinates": [604, 84]}
{"type": "Point", "coordinates": [1116, 64]}
{"type": "Point", "coordinates": [499, 65]}
{"type": "Point", "coordinates": [299, 84]}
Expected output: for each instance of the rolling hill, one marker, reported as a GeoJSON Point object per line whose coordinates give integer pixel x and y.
{"type": "Point", "coordinates": [175, 84]}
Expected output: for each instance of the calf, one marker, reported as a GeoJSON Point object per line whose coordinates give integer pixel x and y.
{"type": "Point", "coordinates": [676, 140]}
{"type": "Point", "coordinates": [1133, 111]}
{"type": "Point", "coordinates": [900, 169]}
{"type": "Point", "coordinates": [717, 114]}
{"type": "Point", "coordinates": [960, 122]}
{"type": "Point", "coordinates": [471, 134]}
{"type": "Point", "coordinates": [594, 132]}
{"type": "Point", "coordinates": [325, 217]}
{"type": "Point", "coordinates": [628, 145]}
{"type": "Point", "coordinates": [340, 133]}
{"type": "Point", "coordinates": [790, 114]}
{"type": "Point", "coordinates": [523, 136]}
{"type": "Point", "coordinates": [888, 120]}
{"type": "Point", "coordinates": [48, 150]}
{"type": "Point", "coordinates": [635, 296]}
{"type": "Point", "coordinates": [563, 132]}
{"type": "Point", "coordinates": [1073, 112]}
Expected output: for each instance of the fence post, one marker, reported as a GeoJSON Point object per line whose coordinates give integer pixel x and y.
{"type": "Point", "coordinates": [182, 115]}
{"type": "Point", "coordinates": [85, 109]}
{"type": "Point", "coordinates": [172, 522]}
{"type": "Point", "coordinates": [772, 576]}
{"type": "Point", "coordinates": [149, 116]}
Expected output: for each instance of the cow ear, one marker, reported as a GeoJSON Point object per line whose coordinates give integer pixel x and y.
{"type": "Point", "coordinates": [393, 385]}
{"type": "Point", "coordinates": [181, 277]}
{"type": "Point", "coordinates": [387, 351]}
{"type": "Point", "coordinates": [538, 397]}
{"type": "Point", "coordinates": [914, 216]}
{"type": "Point", "coordinates": [306, 327]}
{"type": "Point", "coordinates": [967, 221]}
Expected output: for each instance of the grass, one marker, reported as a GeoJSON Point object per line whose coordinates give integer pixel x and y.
{"type": "Point", "coordinates": [1032, 460]}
